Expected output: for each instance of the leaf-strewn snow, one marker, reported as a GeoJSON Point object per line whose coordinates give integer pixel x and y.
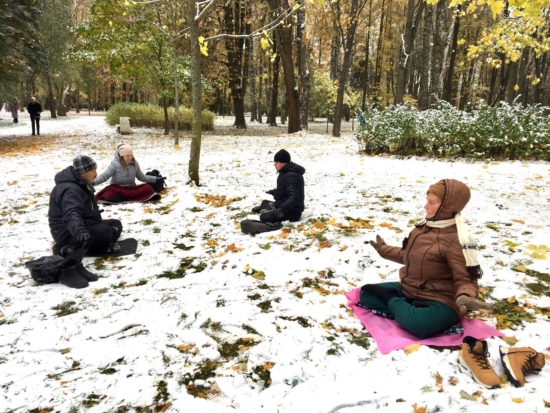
{"type": "Point", "coordinates": [134, 336]}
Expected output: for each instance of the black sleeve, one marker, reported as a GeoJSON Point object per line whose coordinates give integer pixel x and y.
{"type": "Point", "coordinates": [292, 187]}
{"type": "Point", "coordinates": [73, 202]}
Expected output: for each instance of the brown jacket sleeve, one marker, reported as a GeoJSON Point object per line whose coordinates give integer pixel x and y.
{"type": "Point", "coordinates": [394, 254]}
{"type": "Point", "coordinates": [461, 277]}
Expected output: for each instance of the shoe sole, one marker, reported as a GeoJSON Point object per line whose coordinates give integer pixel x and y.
{"type": "Point", "coordinates": [507, 368]}
{"type": "Point", "coordinates": [465, 365]}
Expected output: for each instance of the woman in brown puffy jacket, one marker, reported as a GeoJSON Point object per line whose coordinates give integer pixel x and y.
{"type": "Point", "coordinates": [438, 283]}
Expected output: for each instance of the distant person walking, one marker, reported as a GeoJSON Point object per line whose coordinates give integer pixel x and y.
{"type": "Point", "coordinates": [35, 110]}
{"type": "Point", "coordinates": [13, 108]}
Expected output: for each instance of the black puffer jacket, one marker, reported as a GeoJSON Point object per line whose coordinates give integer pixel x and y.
{"type": "Point", "coordinates": [289, 194]}
{"type": "Point", "coordinates": [72, 206]}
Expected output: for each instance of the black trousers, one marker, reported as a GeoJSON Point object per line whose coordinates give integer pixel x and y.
{"type": "Point", "coordinates": [103, 234]}
{"type": "Point", "coordinates": [35, 120]}
{"type": "Point", "coordinates": [270, 215]}
{"type": "Point", "coordinates": [15, 120]}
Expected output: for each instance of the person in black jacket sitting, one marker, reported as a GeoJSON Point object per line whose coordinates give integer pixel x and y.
{"type": "Point", "coordinates": [289, 194]}
{"type": "Point", "coordinates": [75, 219]}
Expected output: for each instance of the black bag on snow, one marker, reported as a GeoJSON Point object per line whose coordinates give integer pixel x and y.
{"type": "Point", "coordinates": [157, 186]}
{"type": "Point", "coordinates": [45, 270]}
{"type": "Point", "coordinates": [253, 226]}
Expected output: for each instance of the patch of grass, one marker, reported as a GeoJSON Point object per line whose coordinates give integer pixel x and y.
{"type": "Point", "coordinates": [66, 308]}
{"type": "Point", "coordinates": [156, 230]}
{"type": "Point", "coordinates": [183, 317]}
{"type": "Point", "coordinates": [265, 246]}
{"type": "Point", "coordinates": [254, 296]}
{"type": "Point", "coordinates": [188, 234]}
{"type": "Point", "coordinates": [360, 339]}
{"type": "Point", "coordinates": [147, 221]}
{"type": "Point", "coordinates": [181, 271]}
{"type": "Point", "coordinates": [145, 243]}
{"type": "Point", "coordinates": [265, 306]}
{"type": "Point", "coordinates": [240, 215]}
{"type": "Point", "coordinates": [195, 209]}
{"type": "Point", "coordinates": [264, 287]}
{"type": "Point", "coordinates": [263, 373]}
{"type": "Point", "coordinates": [220, 303]}
{"type": "Point", "coordinates": [304, 322]}
{"type": "Point", "coordinates": [509, 313]}
{"type": "Point", "coordinates": [121, 284]}
{"type": "Point", "coordinates": [41, 410]}
{"type": "Point", "coordinates": [100, 262]}
{"type": "Point", "coordinates": [101, 291]}
{"type": "Point", "coordinates": [162, 392]}
{"type": "Point", "coordinates": [310, 283]}
{"type": "Point", "coordinates": [204, 371]}
{"type": "Point", "coordinates": [232, 350]}
{"type": "Point", "coordinates": [182, 246]}
{"type": "Point", "coordinates": [249, 330]}
{"type": "Point", "coordinates": [91, 400]}
{"type": "Point", "coordinates": [107, 370]}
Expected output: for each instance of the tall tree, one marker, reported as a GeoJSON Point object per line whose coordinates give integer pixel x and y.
{"type": "Point", "coordinates": [280, 7]}
{"type": "Point", "coordinates": [414, 12]}
{"type": "Point", "coordinates": [347, 29]}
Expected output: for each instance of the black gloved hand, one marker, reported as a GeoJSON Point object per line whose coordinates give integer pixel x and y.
{"type": "Point", "coordinates": [270, 191]}
{"type": "Point", "coordinates": [83, 237]}
{"type": "Point", "coordinates": [160, 179]}
{"type": "Point", "coordinates": [279, 213]}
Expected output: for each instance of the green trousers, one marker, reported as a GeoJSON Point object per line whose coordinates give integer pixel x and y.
{"type": "Point", "coordinates": [421, 321]}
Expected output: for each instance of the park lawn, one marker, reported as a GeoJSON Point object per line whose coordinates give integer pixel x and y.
{"type": "Point", "coordinates": [206, 319]}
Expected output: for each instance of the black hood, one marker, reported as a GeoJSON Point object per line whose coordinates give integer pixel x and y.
{"type": "Point", "coordinates": [293, 167]}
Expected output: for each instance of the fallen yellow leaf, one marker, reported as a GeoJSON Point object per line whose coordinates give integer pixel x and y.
{"type": "Point", "coordinates": [345, 247]}
{"type": "Point", "coordinates": [319, 224]}
{"type": "Point", "coordinates": [411, 348]}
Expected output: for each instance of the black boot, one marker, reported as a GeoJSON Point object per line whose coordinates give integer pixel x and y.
{"type": "Point", "coordinates": [114, 249]}
{"type": "Point", "coordinates": [89, 276]}
{"type": "Point", "coordinates": [71, 278]}
{"type": "Point", "coordinates": [384, 294]}
{"type": "Point", "coordinates": [256, 209]}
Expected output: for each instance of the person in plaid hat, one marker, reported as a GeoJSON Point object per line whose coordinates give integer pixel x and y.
{"type": "Point", "coordinates": [74, 216]}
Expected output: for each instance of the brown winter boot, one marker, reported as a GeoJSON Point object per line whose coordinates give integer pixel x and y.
{"type": "Point", "coordinates": [473, 356]}
{"type": "Point", "coordinates": [520, 361]}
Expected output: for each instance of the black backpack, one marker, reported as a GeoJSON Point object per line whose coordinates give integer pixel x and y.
{"type": "Point", "coordinates": [45, 270]}
{"type": "Point", "coordinates": [253, 226]}
{"type": "Point", "coordinates": [157, 186]}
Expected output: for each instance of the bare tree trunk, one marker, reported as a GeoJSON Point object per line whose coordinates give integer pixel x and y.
{"type": "Point", "coordinates": [166, 118]}
{"type": "Point", "coordinates": [336, 43]}
{"type": "Point", "coordinates": [438, 51]}
{"type": "Point", "coordinates": [274, 95]}
{"type": "Point", "coordinates": [51, 98]}
{"type": "Point", "coordinates": [512, 81]}
{"type": "Point", "coordinates": [448, 94]}
{"type": "Point", "coordinates": [414, 13]}
{"type": "Point", "coordinates": [424, 93]}
{"type": "Point", "coordinates": [303, 70]}
{"type": "Point", "coordinates": [292, 94]}
{"type": "Point", "coordinates": [355, 9]}
{"type": "Point", "coordinates": [252, 79]}
{"type": "Point", "coordinates": [195, 153]}
{"type": "Point", "coordinates": [365, 77]}
{"type": "Point", "coordinates": [379, 46]}
{"type": "Point", "coordinates": [234, 23]}
{"type": "Point", "coordinates": [77, 97]}
{"type": "Point", "coordinates": [176, 92]}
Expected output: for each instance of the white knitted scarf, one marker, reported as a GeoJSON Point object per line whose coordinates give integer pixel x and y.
{"type": "Point", "coordinates": [466, 239]}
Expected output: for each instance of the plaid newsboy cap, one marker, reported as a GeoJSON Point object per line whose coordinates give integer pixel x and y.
{"type": "Point", "coordinates": [83, 164]}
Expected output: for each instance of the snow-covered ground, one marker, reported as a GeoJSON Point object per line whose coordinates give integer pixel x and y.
{"type": "Point", "coordinates": [264, 326]}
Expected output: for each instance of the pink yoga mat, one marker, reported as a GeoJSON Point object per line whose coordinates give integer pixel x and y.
{"type": "Point", "coordinates": [390, 336]}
